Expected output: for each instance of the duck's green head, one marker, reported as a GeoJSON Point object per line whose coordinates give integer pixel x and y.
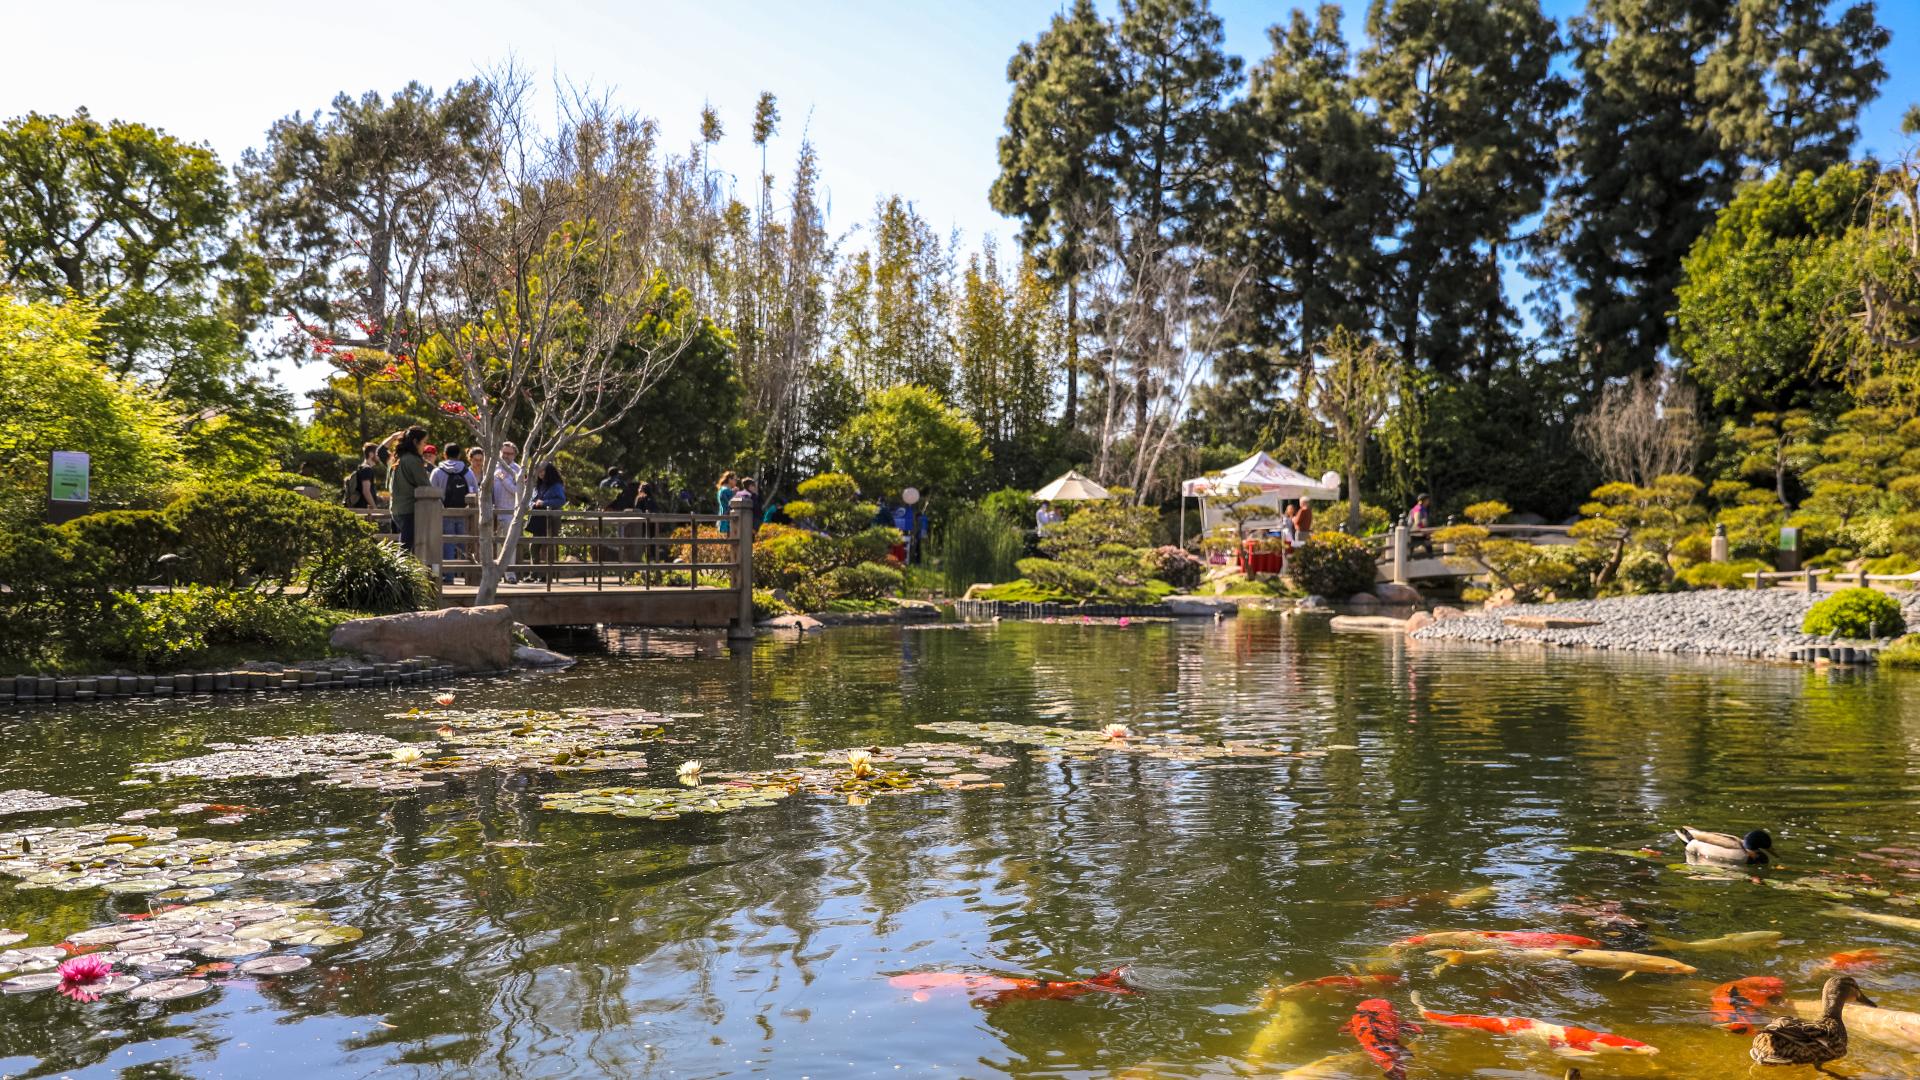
{"type": "Point", "coordinates": [1757, 840]}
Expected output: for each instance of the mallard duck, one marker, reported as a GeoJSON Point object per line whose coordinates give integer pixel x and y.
{"type": "Point", "coordinates": [1719, 847]}
{"type": "Point", "coordinates": [1793, 1041]}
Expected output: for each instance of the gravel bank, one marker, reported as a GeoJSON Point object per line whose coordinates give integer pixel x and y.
{"type": "Point", "coordinates": [1759, 625]}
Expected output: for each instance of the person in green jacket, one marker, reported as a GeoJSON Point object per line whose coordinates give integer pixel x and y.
{"type": "Point", "coordinates": [409, 471]}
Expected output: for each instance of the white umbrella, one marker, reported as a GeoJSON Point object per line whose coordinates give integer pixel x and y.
{"type": "Point", "coordinates": [1071, 488]}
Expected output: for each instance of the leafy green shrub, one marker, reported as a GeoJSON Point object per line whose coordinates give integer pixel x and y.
{"type": "Point", "coordinates": [1834, 558]}
{"type": "Point", "coordinates": [1725, 575]}
{"type": "Point", "coordinates": [1644, 572]}
{"type": "Point", "coordinates": [52, 594]}
{"type": "Point", "coordinates": [768, 606]}
{"type": "Point", "coordinates": [831, 502]}
{"type": "Point", "coordinates": [791, 556]}
{"type": "Point", "coordinates": [978, 547]}
{"type": "Point", "coordinates": [864, 581]}
{"type": "Point", "coordinates": [1333, 565]}
{"type": "Point", "coordinates": [1015, 506]}
{"type": "Point", "coordinates": [1856, 613]}
{"type": "Point", "coordinates": [170, 628]}
{"type": "Point", "coordinates": [1695, 547]}
{"type": "Point", "coordinates": [1176, 566]}
{"type": "Point", "coordinates": [375, 577]}
{"type": "Point", "coordinates": [236, 535]}
{"type": "Point", "coordinates": [1904, 653]}
{"type": "Point", "coordinates": [1060, 578]}
{"type": "Point", "coordinates": [1898, 563]}
{"type": "Point", "coordinates": [127, 545]}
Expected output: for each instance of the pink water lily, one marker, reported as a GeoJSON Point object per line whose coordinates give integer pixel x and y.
{"type": "Point", "coordinates": [444, 699]}
{"type": "Point", "coordinates": [1116, 731]}
{"type": "Point", "coordinates": [81, 973]}
{"type": "Point", "coordinates": [1124, 621]}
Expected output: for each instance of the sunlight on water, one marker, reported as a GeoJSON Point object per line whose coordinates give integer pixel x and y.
{"type": "Point", "coordinates": [760, 943]}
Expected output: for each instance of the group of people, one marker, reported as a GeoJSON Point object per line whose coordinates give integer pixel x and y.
{"type": "Point", "coordinates": [412, 463]}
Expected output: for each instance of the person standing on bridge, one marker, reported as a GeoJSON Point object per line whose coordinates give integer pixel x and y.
{"type": "Point", "coordinates": [723, 496]}
{"type": "Point", "coordinates": [360, 482]}
{"type": "Point", "coordinates": [409, 472]}
{"type": "Point", "coordinates": [505, 482]}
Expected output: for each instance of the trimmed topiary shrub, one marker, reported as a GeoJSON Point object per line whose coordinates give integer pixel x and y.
{"type": "Point", "coordinates": [128, 545]}
{"type": "Point", "coordinates": [864, 581]}
{"type": "Point", "coordinates": [1333, 565]}
{"type": "Point", "coordinates": [258, 535]}
{"type": "Point", "coordinates": [1058, 577]}
{"type": "Point", "coordinates": [1856, 613]}
{"type": "Point", "coordinates": [1725, 575]}
{"type": "Point", "coordinates": [171, 628]}
{"type": "Point", "coordinates": [1644, 572]}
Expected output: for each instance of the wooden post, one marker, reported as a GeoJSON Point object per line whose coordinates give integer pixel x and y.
{"type": "Point", "coordinates": [1402, 552]}
{"type": "Point", "coordinates": [742, 528]}
{"type": "Point", "coordinates": [1813, 582]}
{"type": "Point", "coordinates": [427, 512]}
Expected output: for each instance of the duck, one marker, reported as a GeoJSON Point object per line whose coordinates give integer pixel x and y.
{"type": "Point", "coordinates": [1790, 1040]}
{"type": "Point", "coordinates": [1719, 847]}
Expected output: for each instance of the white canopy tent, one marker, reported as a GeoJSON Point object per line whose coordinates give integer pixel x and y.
{"type": "Point", "coordinates": [1070, 488]}
{"type": "Point", "coordinates": [1274, 482]}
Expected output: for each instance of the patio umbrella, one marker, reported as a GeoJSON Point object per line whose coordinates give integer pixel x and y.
{"type": "Point", "coordinates": [1071, 488]}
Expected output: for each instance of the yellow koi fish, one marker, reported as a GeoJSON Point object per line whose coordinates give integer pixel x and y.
{"type": "Point", "coordinates": [1898, 922]}
{"type": "Point", "coordinates": [1748, 939]}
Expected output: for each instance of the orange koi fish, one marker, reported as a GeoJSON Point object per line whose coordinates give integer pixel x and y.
{"type": "Point", "coordinates": [995, 990]}
{"type": "Point", "coordinates": [1843, 961]}
{"type": "Point", "coordinates": [1337, 984]}
{"type": "Point", "coordinates": [1738, 1005]}
{"type": "Point", "coordinates": [1377, 1028]}
{"type": "Point", "coordinates": [1561, 1039]}
{"type": "Point", "coordinates": [1512, 939]}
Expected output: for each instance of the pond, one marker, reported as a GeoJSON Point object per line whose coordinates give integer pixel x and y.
{"type": "Point", "coordinates": [1415, 789]}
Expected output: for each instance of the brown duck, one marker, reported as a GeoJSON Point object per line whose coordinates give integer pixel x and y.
{"type": "Point", "coordinates": [1793, 1041]}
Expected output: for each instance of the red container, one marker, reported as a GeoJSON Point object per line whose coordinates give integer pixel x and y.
{"type": "Point", "coordinates": [1260, 562]}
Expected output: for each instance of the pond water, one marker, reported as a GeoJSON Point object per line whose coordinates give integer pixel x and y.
{"type": "Point", "coordinates": [761, 942]}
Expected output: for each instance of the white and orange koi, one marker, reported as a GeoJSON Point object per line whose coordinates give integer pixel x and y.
{"type": "Point", "coordinates": [1560, 1038]}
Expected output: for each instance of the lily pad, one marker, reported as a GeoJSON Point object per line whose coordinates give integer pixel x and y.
{"type": "Point", "coordinates": [11, 937]}
{"type": "Point", "coordinates": [27, 801]}
{"type": "Point", "coordinates": [118, 984]}
{"type": "Point", "coordinates": [275, 965]}
{"type": "Point", "coordinates": [170, 990]}
{"type": "Point", "coordinates": [233, 950]}
{"type": "Point", "coordinates": [28, 984]}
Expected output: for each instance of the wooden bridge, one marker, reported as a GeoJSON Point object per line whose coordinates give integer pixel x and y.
{"type": "Point", "coordinates": [594, 567]}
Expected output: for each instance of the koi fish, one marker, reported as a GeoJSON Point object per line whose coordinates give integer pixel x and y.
{"type": "Point", "coordinates": [228, 808]}
{"type": "Point", "coordinates": [1469, 957]}
{"type": "Point", "coordinates": [1737, 1005]}
{"type": "Point", "coordinates": [1340, 984]}
{"type": "Point", "coordinates": [1512, 939]}
{"type": "Point", "coordinates": [994, 990]}
{"type": "Point", "coordinates": [1898, 922]}
{"type": "Point", "coordinates": [1469, 898]}
{"type": "Point", "coordinates": [1748, 939]}
{"type": "Point", "coordinates": [1561, 1039]}
{"type": "Point", "coordinates": [1331, 1067]}
{"type": "Point", "coordinates": [1844, 961]}
{"type": "Point", "coordinates": [1631, 963]}
{"type": "Point", "coordinates": [214, 968]}
{"type": "Point", "coordinates": [1377, 1028]}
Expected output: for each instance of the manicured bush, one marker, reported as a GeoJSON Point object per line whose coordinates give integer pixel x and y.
{"type": "Point", "coordinates": [374, 577]}
{"type": "Point", "coordinates": [128, 545]}
{"type": "Point", "coordinates": [258, 535]}
{"type": "Point", "coordinates": [1856, 613]}
{"type": "Point", "coordinates": [170, 628]}
{"type": "Point", "coordinates": [768, 606]}
{"type": "Point", "coordinates": [1897, 563]}
{"type": "Point", "coordinates": [979, 547]}
{"type": "Point", "coordinates": [1176, 566]}
{"type": "Point", "coordinates": [50, 594]}
{"type": "Point", "coordinates": [1058, 577]}
{"type": "Point", "coordinates": [1904, 653]}
{"type": "Point", "coordinates": [864, 581]}
{"type": "Point", "coordinates": [1332, 565]}
{"type": "Point", "coordinates": [1726, 575]}
{"type": "Point", "coordinates": [1644, 572]}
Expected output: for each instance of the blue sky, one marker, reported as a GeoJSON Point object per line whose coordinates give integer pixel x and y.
{"type": "Point", "coordinates": [899, 97]}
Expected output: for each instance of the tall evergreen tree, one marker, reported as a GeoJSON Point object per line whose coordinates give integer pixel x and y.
{"type": "Point", "coordinates": [891, 306]}
{"type": "Point", "coordinates": [1055, 157]}
{"type": "Point", "coordinates": [1006, 337]}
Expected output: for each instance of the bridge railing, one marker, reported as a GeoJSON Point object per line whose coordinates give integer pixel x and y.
{"type": "Point", "coordinates": [587, 547]}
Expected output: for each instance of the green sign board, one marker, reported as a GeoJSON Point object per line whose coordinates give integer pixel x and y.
{"type": "Point", "coordinates": [1789, 539]}
{"type": "Point", "coordinates": [67, 476]}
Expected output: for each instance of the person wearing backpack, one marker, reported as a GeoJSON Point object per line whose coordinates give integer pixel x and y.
{"type": "Point", "coordinates": [357, 492]}
{"type": "Point", "coordinates": [455, 482]}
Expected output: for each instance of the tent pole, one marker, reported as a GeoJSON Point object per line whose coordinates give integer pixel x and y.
{"type": "Point", "coordinates": [1182, 540]}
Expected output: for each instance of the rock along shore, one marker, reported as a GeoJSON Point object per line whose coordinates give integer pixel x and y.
{"type": "Point", "coordinates": [1762, 625]}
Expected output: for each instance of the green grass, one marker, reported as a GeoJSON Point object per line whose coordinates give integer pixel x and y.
{"type": "Point", "coordinates": [1024, 591]}
{"type": "Point", "coordinates": [1903, 654]}
{"type": "Point", "coordinates": [850, 606]}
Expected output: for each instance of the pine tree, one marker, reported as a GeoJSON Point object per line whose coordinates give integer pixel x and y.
{"type": "Point", "coordinates": [1055, 157]}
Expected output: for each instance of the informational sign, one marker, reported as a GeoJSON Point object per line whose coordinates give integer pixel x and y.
{"type": "Point", "coordinates": [67, 476]}
{"type": "Point", "coordinates": [1789, 539]}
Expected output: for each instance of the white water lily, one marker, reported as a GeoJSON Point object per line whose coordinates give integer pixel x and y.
{"type": "Point", "coordinates": [689, 772]}
{"type": "Point", "coordinates": [407, 754]}
{"type": "Point", "coordinates": [1116, 731]}
{"type": "Point", "coordinates": [860, 762]}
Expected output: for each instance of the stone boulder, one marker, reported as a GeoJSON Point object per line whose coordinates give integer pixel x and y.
{"type": "Point", "coordinates": [1394, 592]}
{"type": "Point", "coordinates": [1443, 613]}
{"type": "Point", "coordinates": [802, 623]}
{"type": "Point", "coordinates": [1417, 620]}
{"type": "Point", "coordinates": [1200, 606]}
{"type": "Point", "coordinates": [1363, 600]}
{"type": "Point", "coordinates": [470, 639]}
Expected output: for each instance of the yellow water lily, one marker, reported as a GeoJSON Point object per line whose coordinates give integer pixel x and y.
{"type": "Point", "coordinates": [689, 773]}
{"type": "Point", "coordinates": [407, 754]}
{"type": "Point", "coordinates": [860, 763]}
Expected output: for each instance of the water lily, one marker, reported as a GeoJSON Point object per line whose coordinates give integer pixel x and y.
{"type": "Point", "coordinates": [407, 754]}
{"type": "Point", "coordinates": [860, 763]}
{"type": "Point", "coordinates": [689, 773]}
{"type": "Point", "coordinates": [1116, 731]}
{"type": "Point", "coordinates": [1124, 621]}
{"type": "Point", "coordinates": [79, 975]}
{"type": "Point", "coordinates": [445, 731]}
{"type": "Point", "coordinates": [444, 699]}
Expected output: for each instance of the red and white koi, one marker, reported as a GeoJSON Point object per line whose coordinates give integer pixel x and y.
{"type": "Point", "coordinates": [992, 990]}
{"type": "Point", "coordinates": [1377, 1028]}
{"type": "Point", "coordinates": [1560, 1038]}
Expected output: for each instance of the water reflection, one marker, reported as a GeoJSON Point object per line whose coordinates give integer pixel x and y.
{"type": "Point", "coordinates": [758, 943]}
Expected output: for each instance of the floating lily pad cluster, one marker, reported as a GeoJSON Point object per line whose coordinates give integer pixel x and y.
{"type": "Point", "coordinates": [667, 804]}
{"type": "Point", "coordinates": [130, 859]}
{"type": "Point", "coordinates": [1075, 742]}
{"type": "Point", "coordinates": [27, 801]}
{"type": "Point", "coordinates": [155, 959]}
{"type": "Point", "coordinates": [463, 743]}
